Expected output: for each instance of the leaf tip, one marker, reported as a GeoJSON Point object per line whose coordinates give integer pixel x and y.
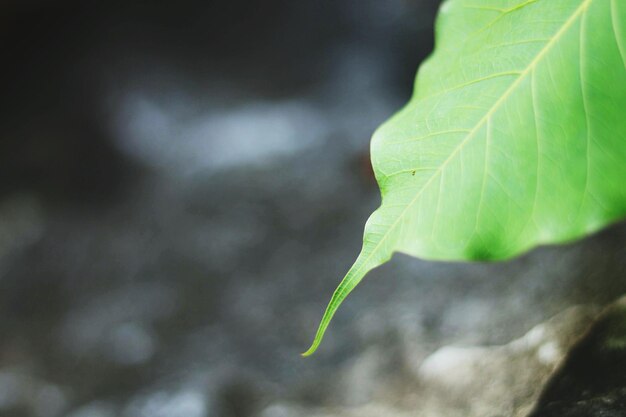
{"type": "Point", "coordinates": [308, 352]}
{"type": "Point", "coordinates": [352, 278]}
{"type": "Point", "coordinates": [314, 346]}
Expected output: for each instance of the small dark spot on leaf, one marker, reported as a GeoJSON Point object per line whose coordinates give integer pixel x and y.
{"type": "Point", "coordinates": [413, 172]}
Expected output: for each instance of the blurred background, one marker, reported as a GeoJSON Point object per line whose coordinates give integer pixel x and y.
{"type": "Point", "coordinates": [183, 184]}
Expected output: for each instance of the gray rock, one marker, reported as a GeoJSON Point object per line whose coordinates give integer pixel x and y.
{"type": "Point", "coordinates": [500, 380]}
{"type": "Point", "coordinates": [592, 383]}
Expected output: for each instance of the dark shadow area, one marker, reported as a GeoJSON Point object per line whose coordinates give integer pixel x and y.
{"type": "Point", "coordinates": [592, 382]}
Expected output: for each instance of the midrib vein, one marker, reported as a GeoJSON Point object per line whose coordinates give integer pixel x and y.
{"type": "Point", "coordinates": [355, 274]}
{"type": "Point", "coordinates": [557, 36]}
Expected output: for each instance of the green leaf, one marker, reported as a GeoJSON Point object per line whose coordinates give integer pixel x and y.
{"type": "Point", "coordinates": [515, 136]}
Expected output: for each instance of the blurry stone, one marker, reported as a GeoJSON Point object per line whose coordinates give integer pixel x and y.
{"type": "Point", "coordinates": [280, 410]}
{"type": "Point", "coordinates": [95, 409]}
{"type": "Point", "coordinates": [215, 139]}
{"type": "Point", "coordinates": [592, 382]}
{"type": "Point", "coordinates": [500, 380]}
{"type": "Point", "coordinates": [49, 401]}
{"type": "Point", "coordinates": [370, 410]}
{"type": "Point", "coordinates": [374, 410]}
{"type": "Point", "coordinates": [362, 377]}
{"type": "Point", "coordinates": [114, 324]}
{"type": "Point", "coordinates": [130, 344]}
{"type": "Point", "coordinates": [11, 387]}
{"type": "Point", "coordinates": [184, 403]}
{"type": "Point", "coordinates": [20, 390]}
{"type": "Point", "coordinates": [21, 224]}
{"type": "Point", "coordinates": [236, 396]}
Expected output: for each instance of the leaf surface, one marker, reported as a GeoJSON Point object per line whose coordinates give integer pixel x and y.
{"type": "Point", "coordinates": [515, 136]}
